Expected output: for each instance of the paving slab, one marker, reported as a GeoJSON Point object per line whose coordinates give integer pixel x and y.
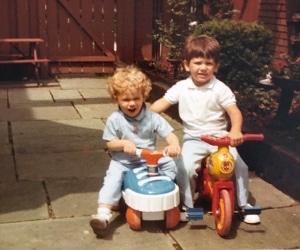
{"type": "Point", "coordinates": [82, 83]}
{"type": "Point", "coordinates": [5, 149]}
{"type": "Point", "coordinates": [30, 83]}
{"type": "Point", "coordinates": [245, 236]}
{"type": "Point", "coordinates": [95, 111]}
{"type": "Point", "coordinates": [7, 169]}
{"type": "Point", "coordinates": [94, 94]}
{"type": "Point", "coordinates": [202, 234]}
{"type": "Point", "coordinates": [61, 165]}
{"type": "Point", "coordinates": [53, 168]}
{"type": "Point", "coordinates": [17, 96]}
{"type": "Point", "coordinates": [63, 95]}
{"type": "Point", "coordinates": [264, 194]}
{"type": "Point", "coordinates": [57, 136]}
{"type": "Point", "coordinates": [39, 113]}
{"type": "Point", "coordinates": [3, 93]}
{"type": "Point", "coordinates": [3, 98]}
{"type": "Point", "coordinates": [3, 103]}
{"type": "Point", "coordinates": [4, 133]}
{"type": "Point", "coordinates": [22, 201]}
{"type": "Point", "coordinates": [74, 197]}
{"type": "Point", "coordinates": [75, 233]}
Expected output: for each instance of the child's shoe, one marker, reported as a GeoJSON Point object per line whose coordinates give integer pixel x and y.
{"type": "Point", "coordinates": [99, 222]}
{"type": "Point", "coordinates": [251, 218]}
{"type": "Point", "coordinates": [183, 216]}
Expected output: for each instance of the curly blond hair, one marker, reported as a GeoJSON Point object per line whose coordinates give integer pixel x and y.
{"type": "Point", "coordinates": [128, 78]}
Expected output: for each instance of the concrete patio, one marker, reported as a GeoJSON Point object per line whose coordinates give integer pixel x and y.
{"type": "Point", "coordinates": [53, 161]}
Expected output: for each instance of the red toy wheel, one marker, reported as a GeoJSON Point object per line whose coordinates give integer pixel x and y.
{"type": "Point", "coordinates": [223, 217]}
{"type": "Point", "coordinates": [172, 217]}
{"type": "Point", "coordinates": [133, 218]}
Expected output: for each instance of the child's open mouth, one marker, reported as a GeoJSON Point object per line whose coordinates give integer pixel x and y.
{"type": "Point", "coordinates": [132, 110]}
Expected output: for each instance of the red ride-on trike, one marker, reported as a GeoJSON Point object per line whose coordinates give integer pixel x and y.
{"type": "Point", "coordinates": [214, 181]}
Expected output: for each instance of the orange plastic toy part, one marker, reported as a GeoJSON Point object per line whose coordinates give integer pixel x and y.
{"type": "Point", "coordinates": [152, 157]}
{"type": "Point", "coordinates": [223, 216]}
{"type": "Point", "coordinates": [133, 218]}
{"type": "Point", "coordinates": [172, 217]}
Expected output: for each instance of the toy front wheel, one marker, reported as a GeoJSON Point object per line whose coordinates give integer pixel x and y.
{"type": "Point", "coordinates": [223, 217]}
{"type": "Point", "coordinates": [172, 217]}
{"type": "Point", "coordinates": [133, 218]}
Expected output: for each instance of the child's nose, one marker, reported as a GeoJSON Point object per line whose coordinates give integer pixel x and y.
{"type": "Point", "coordinates": [203, 67]}
{"type": "Point", "coordinates": [131, 102]}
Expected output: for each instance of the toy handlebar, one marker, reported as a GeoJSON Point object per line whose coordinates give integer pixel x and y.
{"type": "Point", "coordinates": [226, 141]}
{"type": "Point", "coordinates": [151, 157]}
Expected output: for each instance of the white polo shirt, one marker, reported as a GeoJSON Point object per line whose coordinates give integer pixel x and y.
{"type": "Point", "coordinates": [202, 109]}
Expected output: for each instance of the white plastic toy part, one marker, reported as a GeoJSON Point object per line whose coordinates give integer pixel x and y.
{"type": "Point", "coordinates": [152, 203]}
{"type": "Point", "coordinates": [138, 152]}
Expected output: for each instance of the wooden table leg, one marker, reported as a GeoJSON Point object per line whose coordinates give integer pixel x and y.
{"type": "Point", "coordinates": [33, 52]}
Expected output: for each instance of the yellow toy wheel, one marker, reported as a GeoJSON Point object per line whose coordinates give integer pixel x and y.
{"type": "Point", "coordinates": [133, 218]}
{"type": "Point", "coordinates": [223, 217]}
{"type": "Point", "coordinates": [172, 217]}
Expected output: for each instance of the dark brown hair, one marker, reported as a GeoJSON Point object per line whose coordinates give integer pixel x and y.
{"type": "Point", "coordinates": [201, 46]}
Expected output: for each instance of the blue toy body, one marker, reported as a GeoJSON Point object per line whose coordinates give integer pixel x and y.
{"type": "Point", "coordinates": [139, 181]}
{"type": "Point", "coordinates": [150, 194]}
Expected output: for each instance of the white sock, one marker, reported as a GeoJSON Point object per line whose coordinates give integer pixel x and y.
{"type": "Point", "coordinates": [104, 213]}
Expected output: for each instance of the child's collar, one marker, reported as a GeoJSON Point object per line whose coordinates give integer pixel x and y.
{"type": "Point", "coordinates": [192, 85]}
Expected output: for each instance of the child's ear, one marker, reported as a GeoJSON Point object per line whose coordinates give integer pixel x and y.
{"type": "Point", "coordinates": [217, 68]}
{"type": "Point", "coordinates": [186, 65]}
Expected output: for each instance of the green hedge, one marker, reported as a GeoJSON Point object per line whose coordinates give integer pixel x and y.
{"type": "Point", "coordinates": [244, 50]}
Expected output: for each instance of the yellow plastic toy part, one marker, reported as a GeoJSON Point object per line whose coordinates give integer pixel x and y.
{"type": "Point", "coordinates": [221, 164]}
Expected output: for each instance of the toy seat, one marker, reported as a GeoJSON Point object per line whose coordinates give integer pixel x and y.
{"type": "Point", "coordinates": [149, 193]}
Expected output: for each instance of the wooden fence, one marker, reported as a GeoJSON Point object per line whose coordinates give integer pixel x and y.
{"type": "Point", "coordinates": [88, 36]}
{"type": "Point", "coordinates": [81, 36]}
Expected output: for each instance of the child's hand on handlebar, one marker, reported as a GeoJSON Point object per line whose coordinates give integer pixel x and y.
{"type": "Point", "coordinates": [172, 150]}
{"type": "Point", "coordinates": [129, 147]}
{"type": "Point", "coordinates": [236, 138]}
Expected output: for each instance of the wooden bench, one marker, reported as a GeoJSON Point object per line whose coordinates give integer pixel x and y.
{"type": "Point", "coordinates": [29, 57]}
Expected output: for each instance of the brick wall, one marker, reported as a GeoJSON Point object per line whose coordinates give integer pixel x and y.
{"type": "Point", "coordinates": [273, 14]}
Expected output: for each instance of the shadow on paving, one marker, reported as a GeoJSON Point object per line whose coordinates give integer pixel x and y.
{"type": "Point", "coordinates": [49, 162]}
{"type": "Point", "coordinates": [53, 160]}
{"type": "Point", "coordinates": [53, 157]}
